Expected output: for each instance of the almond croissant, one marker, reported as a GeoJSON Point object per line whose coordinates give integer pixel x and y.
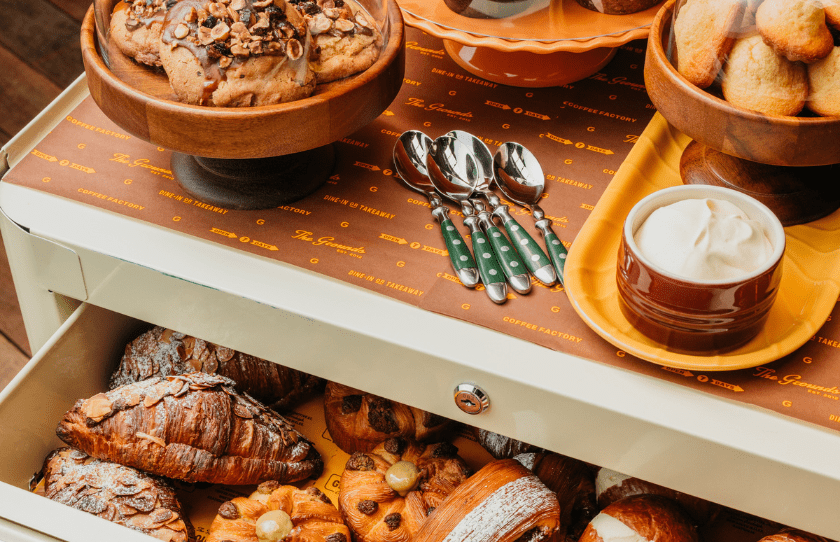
{"type": "Point", "coordinates": [163, 352]}
{"type": "Point", "coordinates": [120, 494]}
{"type": "Point", "coordinates": [193, 427]}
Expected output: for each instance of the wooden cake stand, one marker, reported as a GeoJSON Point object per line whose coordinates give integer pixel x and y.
{"type": "Point", "coordinates": [791, 164]}
{"type": "Point", "coordinates": [249, 157]}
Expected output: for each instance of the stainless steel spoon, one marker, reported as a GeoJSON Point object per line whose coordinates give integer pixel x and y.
{"type": "Point", "coordinates": [534, 258]}
{"type": "Point", "coordinates": [520, 178]}
{"type": "Point", "coordinates": [447, 160]}
{"type": "Point", "coordinates": [410, 162]}
{"type": "Point", "coordinates": [512, 265]}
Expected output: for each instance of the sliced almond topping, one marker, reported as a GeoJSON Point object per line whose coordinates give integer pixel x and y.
{"type": "Point", "coordinates": [157, 440]}
{"type": "Point", "coordinates": [223, 353]}
{"type": "Point", "coordinates": [97, 407]}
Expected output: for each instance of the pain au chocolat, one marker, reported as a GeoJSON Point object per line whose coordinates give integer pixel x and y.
{"type": "Point", "coordinates": [193, 427]}
{"type": "Point", "coordinates": [359, 421]}
{"type": "Point", "coordinates": [279, 512]}
{"type": "Point", "coordinates": [502, 502]}
{"type": "Point", "coordinates": [164, 352]}
{"type": "Point", "coordinates": [116, 493]}
{"type": "Point", "coordinates": [386, 494]}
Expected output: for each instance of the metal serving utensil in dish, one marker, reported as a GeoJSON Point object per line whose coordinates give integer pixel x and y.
{"type": "Point", "coordinates": [410, 162]}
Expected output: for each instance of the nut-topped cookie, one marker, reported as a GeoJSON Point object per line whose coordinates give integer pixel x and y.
{"type": "Point", "coordinates": [235, 53]}
{"type": "Point", "coordinates": [136, 26]}
{"type": "Point", "coordinates": [345, 38]}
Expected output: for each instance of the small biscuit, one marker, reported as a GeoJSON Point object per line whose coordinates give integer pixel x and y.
{"type": "Point", "coordinates": [824, 79]}
{"type": "Point", "coordinates": [832, 12]}
{"type": "Point", "coordinates": [704, 35]}
{"type": "Point", "coordinates": [758, 79]}
{"type": "Point", "coordinates": [135, 28]}
{"type": "Point", "coordinates": [796, 29]}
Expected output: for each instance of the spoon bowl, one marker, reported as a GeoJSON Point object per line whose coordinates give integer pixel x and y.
{"type": "Point", "coordinates": [520, 177]}
{"type": "Point", "coordinates": [410, 153]}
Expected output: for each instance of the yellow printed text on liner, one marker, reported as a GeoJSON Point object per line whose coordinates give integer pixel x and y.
{"type": "Point", "coordinates": [144, 163]}
{"type": "Point", "coordinates": [359, 206]}
{"type": "Point", "coordinates": [386, 283]}
{"type": "Point", "coordinates": [540, 329]}
{"type": "Point", "coordinates": [111, 199]}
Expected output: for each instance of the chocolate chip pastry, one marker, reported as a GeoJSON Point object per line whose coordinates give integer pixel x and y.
{"type": "Point", "coordinates": [163, 352]}
{"type": "Point", "coordinates": [573, 483]}
{"type": "Point", "coordinates": [358, 421]}
{"type": "Point", "coordinates": [116, 493]}
{"type": "Point", "coordinates": [279, 512]}
{"type": "Point", "coordinates": [192, 427]}
{"type": "Point", "coordinates": [386, 494]}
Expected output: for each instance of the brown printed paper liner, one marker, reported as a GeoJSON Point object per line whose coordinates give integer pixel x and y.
{"type": "Point", "coordinates": [365, 228]}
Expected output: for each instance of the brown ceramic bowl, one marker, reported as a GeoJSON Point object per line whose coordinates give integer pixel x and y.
{"type": "Point", "coordinates": [688, 315]}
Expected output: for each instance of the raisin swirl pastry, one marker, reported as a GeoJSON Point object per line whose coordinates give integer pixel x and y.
{"type": "Point", "coordinates": [236, 53]}
{"type": "Point", "coordinates": [193, 427]}
{"type": "Point", "coordinates": [116, 493]}
{"type": "Point", "coordinates": [573, 483]}
{"type": "Point", "coordinates": [136, 27]}
{"type": "Point", "coordinates": [502, 502]}
{"type": "Point", "coordinates": [163, 352]}
{"type": "Point", "coordinates": [358, 421]}
{"type": "Point", "coordinates": [277, 512]}
{"type": "Point", "coordinates": [345, 38]}
{"type": "Point", "coordinates": [386, 494]}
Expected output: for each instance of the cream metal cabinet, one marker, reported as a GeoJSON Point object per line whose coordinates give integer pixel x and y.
{"type": "Point", "coordinates": [121, 271]}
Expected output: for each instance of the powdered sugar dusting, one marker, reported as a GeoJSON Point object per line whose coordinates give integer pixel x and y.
{"type": "Point", "coordinates": [613, 530]}
{"type": "Point", "coordinates": [506, 509]}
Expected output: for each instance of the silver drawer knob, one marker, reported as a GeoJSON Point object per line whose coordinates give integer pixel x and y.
{"type": "Point", "coordinates": [471, 399]}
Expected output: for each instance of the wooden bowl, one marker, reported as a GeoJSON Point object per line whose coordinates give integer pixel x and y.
{"type": "Point", "coordinates": [250, 144]}
{"type": "Point", "coordinates": [788, 163]}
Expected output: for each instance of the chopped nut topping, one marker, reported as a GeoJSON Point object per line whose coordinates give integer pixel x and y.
{"type": "Point", "coordinates": [344, 25]}
{"type": "Point", "coordinates": [181, 31]}
{"type": "Point", "coordinates": [294, 50]}
{"type": "Point", "coordinates": [204, 35]}
{"type": "Point", "coordinates": [220, 32]}
{"type": "Point", "coordinates": [319, 24]}
{"type": "Point", "coordinates": [238, 50]}
{"type": "Point", "coordinates": [192, 16]}
{"type": "Point", "coordinates": [217, 10]}
{"type": "Point", "coordinates": [237, 4]}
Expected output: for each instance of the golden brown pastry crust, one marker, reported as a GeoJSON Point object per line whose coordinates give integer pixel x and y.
{"type": "Point", "coordinates": [193, 427]}
{"type": "Point", "coordinates": [164, 352]}
{"type": "Point", "coordinates": [135, 28]}
{"type": "Point", "coordinates": [502, 502]}
{"type": "Point", "coordinates": [613, 487]}
{"type": "Point", "coordinates": [704, 35]}
{"type": "Point", "coordinates": [502, 447]}
{"type": "Point", "coordinates": [116, 493]}
{"type": "Point", "coordinates": [795, 29]}
{"type": "Point", "coordinates": [794, 535]}
{"type": "Point", "coordinates": [377, 513]}
{"type": "Point", "coordinates": [359, 421]}
{"type": "Point", "coordinates": [573, 483]}
{"type": "Point", "coordinates": [653, 517]}
{"type": "Point", "coordinates": [314, 517]}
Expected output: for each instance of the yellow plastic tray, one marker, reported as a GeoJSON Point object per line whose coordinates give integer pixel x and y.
{"type": "Point", "coordinates": [808, 291]}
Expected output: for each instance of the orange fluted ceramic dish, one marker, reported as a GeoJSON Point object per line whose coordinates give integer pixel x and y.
{"type": "Point", "coordinates": [807, 293]}
{"type": "Point", "coordinates": [553, 43]}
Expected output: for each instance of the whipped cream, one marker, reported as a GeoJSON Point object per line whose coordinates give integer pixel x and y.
{"type": "Point", "coordinates": [703, 239]}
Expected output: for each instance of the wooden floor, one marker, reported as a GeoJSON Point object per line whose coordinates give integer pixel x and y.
{"type": "Point", "coordinates": [40, 55]}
